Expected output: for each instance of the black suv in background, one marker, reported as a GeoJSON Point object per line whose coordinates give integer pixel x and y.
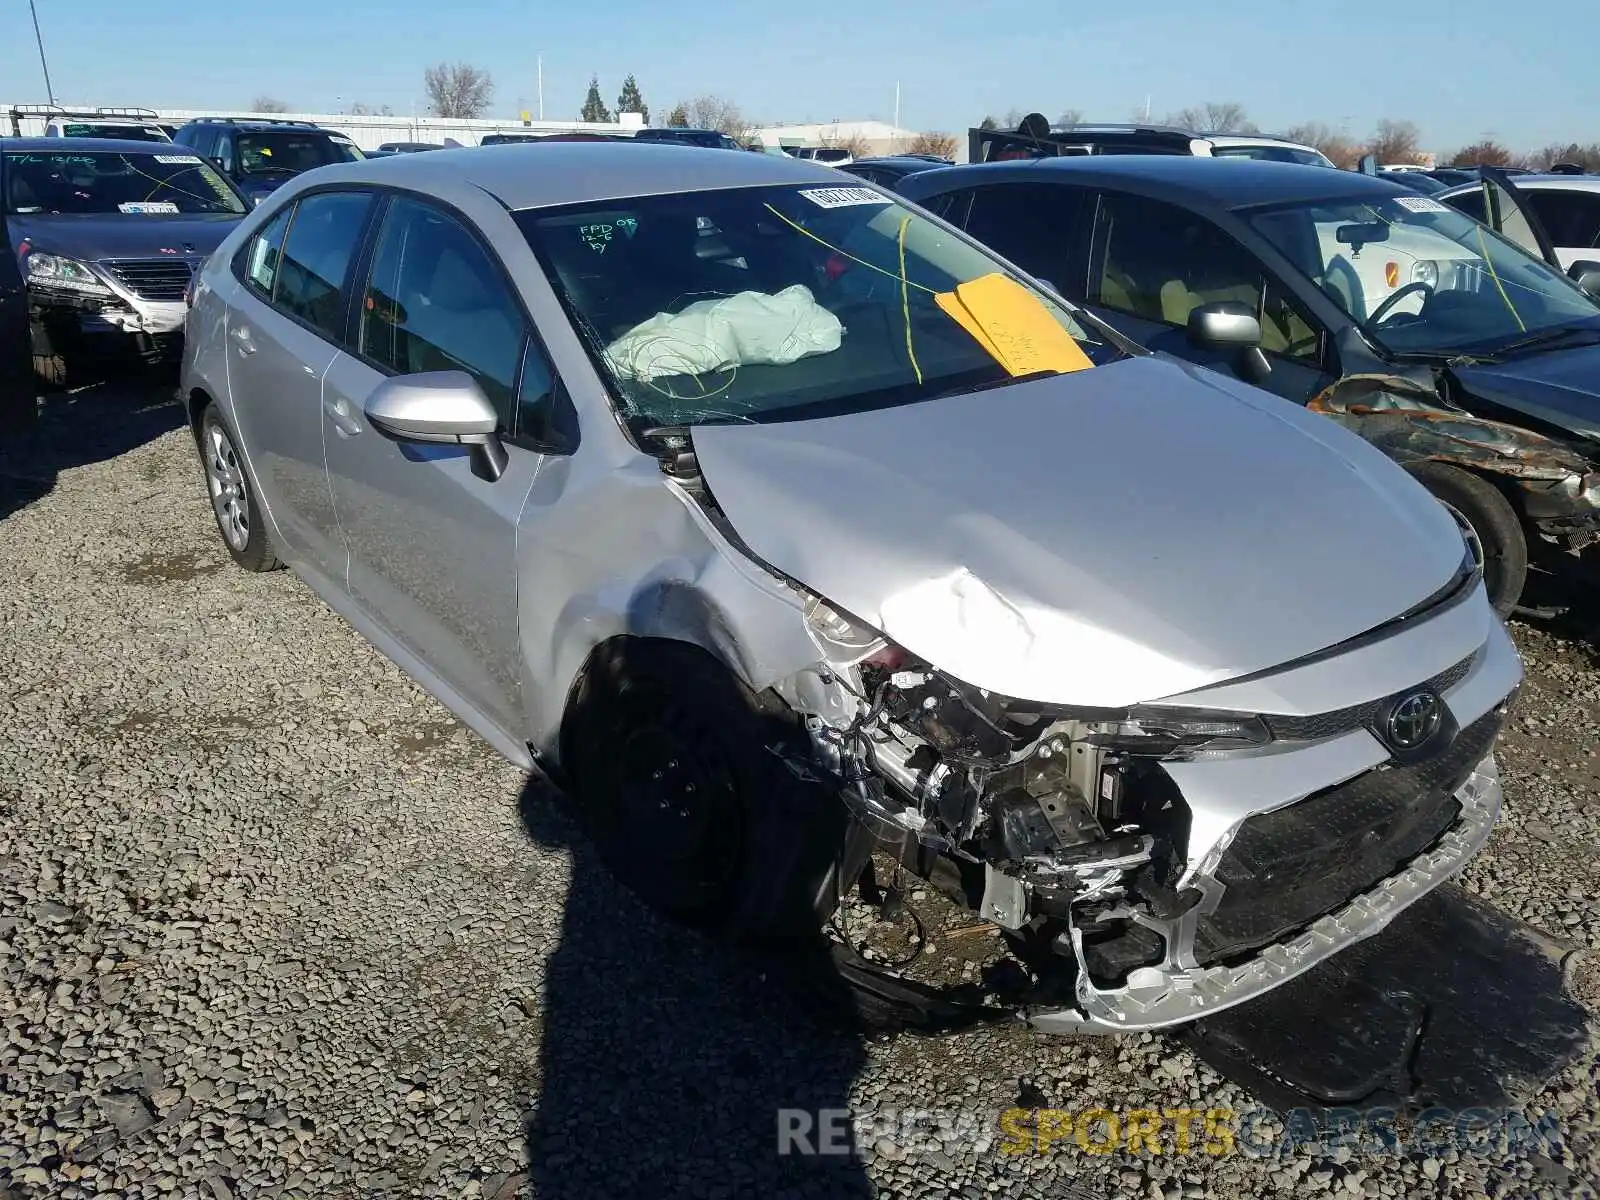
{"type": "Point", "coordinates": [259, 154]}
{"type": "Point", "coordinates": [711, 139]}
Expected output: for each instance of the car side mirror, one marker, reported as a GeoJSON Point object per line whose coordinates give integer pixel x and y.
{"type": "Point", "coordinates": [1227, 325]}
{"type": "Point", "coordinates": [1586, 274]}
{"type": "Point", "coordinates": [440, 407]}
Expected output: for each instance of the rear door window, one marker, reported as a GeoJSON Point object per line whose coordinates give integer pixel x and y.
{"type": "Point", "coordinates": [321, 242]}
{"type": "Point", "coordinates": [1032, 224]}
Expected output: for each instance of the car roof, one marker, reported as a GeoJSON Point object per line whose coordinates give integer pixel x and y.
{"type": "Point", "coordinates": [900, 160]}
{"type": "Point", "coordinates": [1200, 181]}
{"type": "Point", "coordinates": [1254, 139]}
{"type": "Point", "coordinates": [1575, 183]}
{"type": "Point", "coordinates": [534, 176]}
{"type": "Point", "coordinates": [292, 126]}
{"type": "Point", "coordinates": [85, 145]}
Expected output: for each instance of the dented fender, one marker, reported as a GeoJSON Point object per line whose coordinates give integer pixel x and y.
{"type": "Point", "coordinates": [1408, 421]}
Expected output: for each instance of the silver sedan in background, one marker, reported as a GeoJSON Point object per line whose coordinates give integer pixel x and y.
{"type": "Point", "coordinates": [783, 522]}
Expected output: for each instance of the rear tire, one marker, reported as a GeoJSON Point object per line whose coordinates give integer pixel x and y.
{"type": "Point", "coordinates": [1491, 520]}
{"type": "Point", "coordinates": [233, 496]}
{"type": "Point", "coordinates": [671, 760]}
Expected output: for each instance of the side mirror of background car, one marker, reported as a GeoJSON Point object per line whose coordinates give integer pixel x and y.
{"type": "Point", "coordinates": [1586, 274]}
{"type": "Point", "coordinates": [440, 407]}
{"type": "Point", "coordinates": [1228, 325]}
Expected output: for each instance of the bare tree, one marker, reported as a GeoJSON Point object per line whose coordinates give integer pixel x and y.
{"type": "Point", "coordinates": [266, 104]}
{"type": "Point", "coordinates": [940, 145]}
{"type": "Point", "coordinates": [1587, 157]}
{"type": "Point", "coordinates": [713, 112]}
{"type": "Point", "coordinates": [1396, 142]}
{"type": "Point", "coordinates": [1340, 150]}
{"type": "Point", "coordinates": [1070, 116]}
{"type": "Point", "coordinates": [853, 144]}
{"type": "Point", "coordinates": [458, 90]}
{"type": "Point", "coordinates": [368, 110]}
{"type": "Point", "coordinates": [1215, 116]}
{"type": "Point", "coordinates": [1012, 119]}
{"type": "Point", "coordinates": [1487, 153]}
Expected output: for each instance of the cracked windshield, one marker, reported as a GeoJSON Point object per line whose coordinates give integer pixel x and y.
{"type": "Point", "coordinates": [763, 304]}
{"type": "Point", "coordinates": [1420, 276]}
{"type": "Point", "coordinates": [93, 182]}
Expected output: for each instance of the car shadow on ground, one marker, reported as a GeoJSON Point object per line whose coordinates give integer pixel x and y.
{"type": "Point", "coordinates": [87, 425]}
{"type": "Point", "coordinates": [669, 1065]}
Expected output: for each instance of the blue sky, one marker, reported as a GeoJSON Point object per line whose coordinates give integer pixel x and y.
{"type": "Point", "coordinates": [1456, 67]}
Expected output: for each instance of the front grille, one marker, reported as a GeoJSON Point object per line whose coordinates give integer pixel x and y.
{"type": "Point", "coordinates": [1285, 869]}
{"type": "Point", "coordinates": [152, 278]}
{"type": "Point", "coordinates": [1358, 716]}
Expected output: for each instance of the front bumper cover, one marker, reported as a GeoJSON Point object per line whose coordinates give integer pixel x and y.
{"type": "Point", "coordinates": [1155, 997]}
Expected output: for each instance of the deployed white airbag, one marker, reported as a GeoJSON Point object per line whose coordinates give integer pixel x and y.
{"type": "Point", "coordinates": [731, 331]}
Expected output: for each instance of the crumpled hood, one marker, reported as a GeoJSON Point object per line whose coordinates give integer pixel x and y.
{"type": "Point", "coordinates": [91, 238]}
{"type": "Point", "coordinates": [1561, 387]}
{"type": "Point", "coordinates": [1103, 538]}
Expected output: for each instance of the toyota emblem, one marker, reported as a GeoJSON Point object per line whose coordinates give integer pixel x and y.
{"type": "Point", "coordinates": [1414, 720]}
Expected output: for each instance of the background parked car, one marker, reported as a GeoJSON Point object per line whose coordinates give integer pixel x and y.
{"type": "Point", "coordinates": [1469, 360]}
{"type": "Point", "coordinates": [1036, 137]}
{"type": "Point", "coordinates": [128, 124]}
{"type": "Point", "coordinates": [711, 139]}
{"type": "Point", "coordinates": [1567, 206]}
{"type": "Point", "coordinates": [106, 235]}
{"type": "Point", "coordinates": [889, 170]}
{"type": "Point", "coordinates": [259, 154]}
{"type": "Point", "coordinates": [407, 147]}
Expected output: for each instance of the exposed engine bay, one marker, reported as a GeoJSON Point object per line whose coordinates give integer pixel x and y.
{"type": "Point", "coordinates": [1065, 830]}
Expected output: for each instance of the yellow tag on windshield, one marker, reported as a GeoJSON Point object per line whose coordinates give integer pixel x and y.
{"type": "Point", "coordinates": [1011, 324]}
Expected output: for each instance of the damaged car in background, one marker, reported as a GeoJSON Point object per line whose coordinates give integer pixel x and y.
{"type": "Point", "coordinates": [1471, 362]}
{"type": "Point", "coordinates": [784, 524]}
{"type": "Point", "coordinates": [106, 236]}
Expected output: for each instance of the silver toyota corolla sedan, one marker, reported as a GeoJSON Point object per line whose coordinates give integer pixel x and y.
{"type": "Point", "coordinates": [782, 523]}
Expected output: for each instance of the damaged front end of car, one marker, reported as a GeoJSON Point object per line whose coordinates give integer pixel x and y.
{"type": "Point", "coordinates": [1557, 486]}
{"type": "Point", "coordinates": [1155, 864]}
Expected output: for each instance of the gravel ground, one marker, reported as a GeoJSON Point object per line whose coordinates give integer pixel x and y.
{"type": "Point", "coordinates": [273, 924]}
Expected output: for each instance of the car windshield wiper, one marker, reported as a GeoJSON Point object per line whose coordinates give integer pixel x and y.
{"type": "Point", "coordinates": [270, 171]}
{"type": "Point", "coordinates": [1544, 338]}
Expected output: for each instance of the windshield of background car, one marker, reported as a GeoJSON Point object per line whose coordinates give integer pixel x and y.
{"type": "Point", "coordinates": [1288, 154]}
{"type": "Point", "coordinates": [131, 133]}
{"type": "Point", "coordinates": [151, 184]}
{"type": "Point", "coordinates": [1420, 277]}
{"type": "Point", "coordinates": [774, 303]}
{"type": "Point", "coordinates": [283, 151]}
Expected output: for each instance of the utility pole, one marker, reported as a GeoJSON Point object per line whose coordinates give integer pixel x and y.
{"type": "Point", "coordinates": [541, 87]}
{"type": "Point", "coordinates": [49, 91]}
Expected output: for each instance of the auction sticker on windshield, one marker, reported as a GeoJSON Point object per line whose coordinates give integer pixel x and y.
{"type": "Point", "coordinates": [1420, 204]}
{"type": "Point", "coordinates": [842, 197]}
{"type": "Point", "coordinates": [176, 158]}
{"type": "Point", "coordinates": [148, 207]}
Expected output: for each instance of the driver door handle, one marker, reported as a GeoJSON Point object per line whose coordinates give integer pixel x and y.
{"type": "Point", "coordinates": [344, 420]}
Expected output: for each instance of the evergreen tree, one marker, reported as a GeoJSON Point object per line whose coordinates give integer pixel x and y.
{"type": "Point", "coordinates": [594, 108]}
{"type": "Point", "coordinates": [631, 101]}
{"type": "Point", "coordinates": [678, 118]}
